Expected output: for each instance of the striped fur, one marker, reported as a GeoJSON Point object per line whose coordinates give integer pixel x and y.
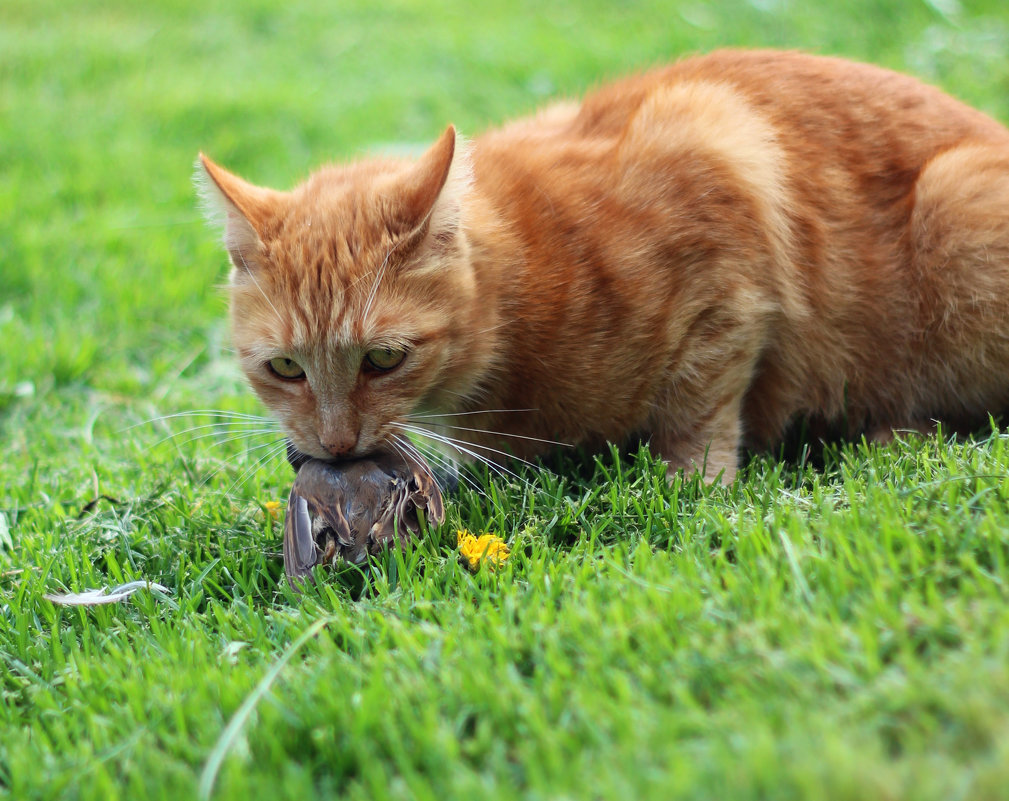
{"type": "Point", "coordinates": [699, 255]}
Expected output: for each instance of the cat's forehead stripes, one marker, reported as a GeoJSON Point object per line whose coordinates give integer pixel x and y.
{"type": "Point", "coordinates": [318, 283]}
{"type": "Point", "coordinates": [332, 313]}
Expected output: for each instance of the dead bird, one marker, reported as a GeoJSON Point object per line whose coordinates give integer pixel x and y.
{"type": "Point", "coordinates": [347, 510]}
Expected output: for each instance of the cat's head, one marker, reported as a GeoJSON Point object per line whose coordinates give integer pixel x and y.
{"type": "Point", "coordinates": [352, 295]}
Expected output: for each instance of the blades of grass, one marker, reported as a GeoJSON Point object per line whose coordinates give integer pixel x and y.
{"type": "Point", "coordinates": [234, 728]}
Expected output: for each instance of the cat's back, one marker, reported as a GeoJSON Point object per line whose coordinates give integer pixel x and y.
{"type": "Point", "coordinates": [818, 97]}
{"type": "Point", "coordinates": [776, 187]}
{"type": "Point", "coordinates": [828, 129]}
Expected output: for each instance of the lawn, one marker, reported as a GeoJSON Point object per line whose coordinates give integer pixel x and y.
{"type": "Point", "coordinates": [827, 627]}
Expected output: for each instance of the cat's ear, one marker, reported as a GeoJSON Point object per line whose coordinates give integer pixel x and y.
{"type": "Point", "coordinates": [244, 210]}
{"type": "Point", "coordinates": [430, 195]}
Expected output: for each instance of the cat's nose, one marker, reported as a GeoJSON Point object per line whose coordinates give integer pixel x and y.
{"type": "Point", "coordinates": [341, 445]}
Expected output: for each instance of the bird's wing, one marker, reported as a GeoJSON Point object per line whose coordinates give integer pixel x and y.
{"type": "Point", "coordinates": [300, 553]}
{"type": "Point", "coordinates": [424, 492]}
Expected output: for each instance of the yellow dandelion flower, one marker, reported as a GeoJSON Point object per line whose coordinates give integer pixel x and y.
{"type": "Point", "coordinates": [486, 547]}
{"type": "Point", "coordinates": [272, 509]}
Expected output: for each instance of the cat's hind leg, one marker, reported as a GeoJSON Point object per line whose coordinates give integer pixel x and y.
{"type": "Point", "coordinates": [960, 241]}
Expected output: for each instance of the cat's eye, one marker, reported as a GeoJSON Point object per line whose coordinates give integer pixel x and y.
{"type": "Point", "coordinates": [383, 360]}
{"type": "Point", "coordinates": [283, 367]}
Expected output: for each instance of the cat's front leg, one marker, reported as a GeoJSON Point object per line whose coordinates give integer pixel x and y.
{"type": "Point", "coordinates": [695, 424]}
{"type": "Point", "coordinates": [709, 447]}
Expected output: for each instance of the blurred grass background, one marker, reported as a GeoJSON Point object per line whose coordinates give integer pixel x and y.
{"type": "Point", "coordinates": [773, 679]}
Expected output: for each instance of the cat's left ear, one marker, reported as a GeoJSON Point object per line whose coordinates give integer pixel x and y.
{"type": "Point", "coordinates": [245, 210]}
{"type": "Point", "coordinates": [429, 197]}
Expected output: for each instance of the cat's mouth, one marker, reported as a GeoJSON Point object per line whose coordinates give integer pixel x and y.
{"type": "Point", "coordinates": [296, 457]}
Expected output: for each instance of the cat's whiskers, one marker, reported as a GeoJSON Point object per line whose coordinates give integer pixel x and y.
{"type": "Point", "coordinates": [494, 433]}
{"type": "Point", "coordinates": [226, 415]}
{"type": "Point", "coordinates": [212, 413]}
{"type": "Point", "coordinates": [417, 417]}
{"type": "Point", "coordinates": [378, 280]}
{"type": "Point", "coordinates": [502, 324]}
{"type": "Point", "coordinates": [397, 446]}
{"type": "Point", "coordinates": [227, 425]}
{"type": "Point", "coordinates": [248, 429]}
{"type": "Point", "coordinates": [255, 280]}
{"type": "Point", "coordinates": [455, 442]}
{"type": "Point", "coordinates": [232, 427]}
{"type": "Point", "coordinates": [411, 454]}
{"type": "Point", "coordinates": [240, 426]}
{"type": "Point", "coordinates": [475, 396]}
{"type": "Point", "coordinates": [218, 440]}
{"type": "Point", "coordinates": [274, 450]}
{"type": "Point", "coordinates": [432, 453]}
{"type": "Point", "coordinates": [466, 447]}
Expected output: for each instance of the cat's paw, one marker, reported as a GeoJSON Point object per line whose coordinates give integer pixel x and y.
{"type": "Point", "coordinates": [717, 460]}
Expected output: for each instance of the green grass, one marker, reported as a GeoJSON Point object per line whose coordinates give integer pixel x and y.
{"type": "Point", "coordinates": [835, 632]}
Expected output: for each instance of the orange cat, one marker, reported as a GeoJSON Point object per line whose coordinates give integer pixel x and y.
{"type": "Point", "coordinates": [698, 255]}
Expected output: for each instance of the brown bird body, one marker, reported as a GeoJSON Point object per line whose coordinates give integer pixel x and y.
{"type": "Point", "coordinates": [347, 510]}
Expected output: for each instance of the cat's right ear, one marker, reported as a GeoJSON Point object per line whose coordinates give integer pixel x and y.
{"type": "Point", "coordinates": [430, 194]}
{"type": "Point", "coordinates": [242, 209]}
